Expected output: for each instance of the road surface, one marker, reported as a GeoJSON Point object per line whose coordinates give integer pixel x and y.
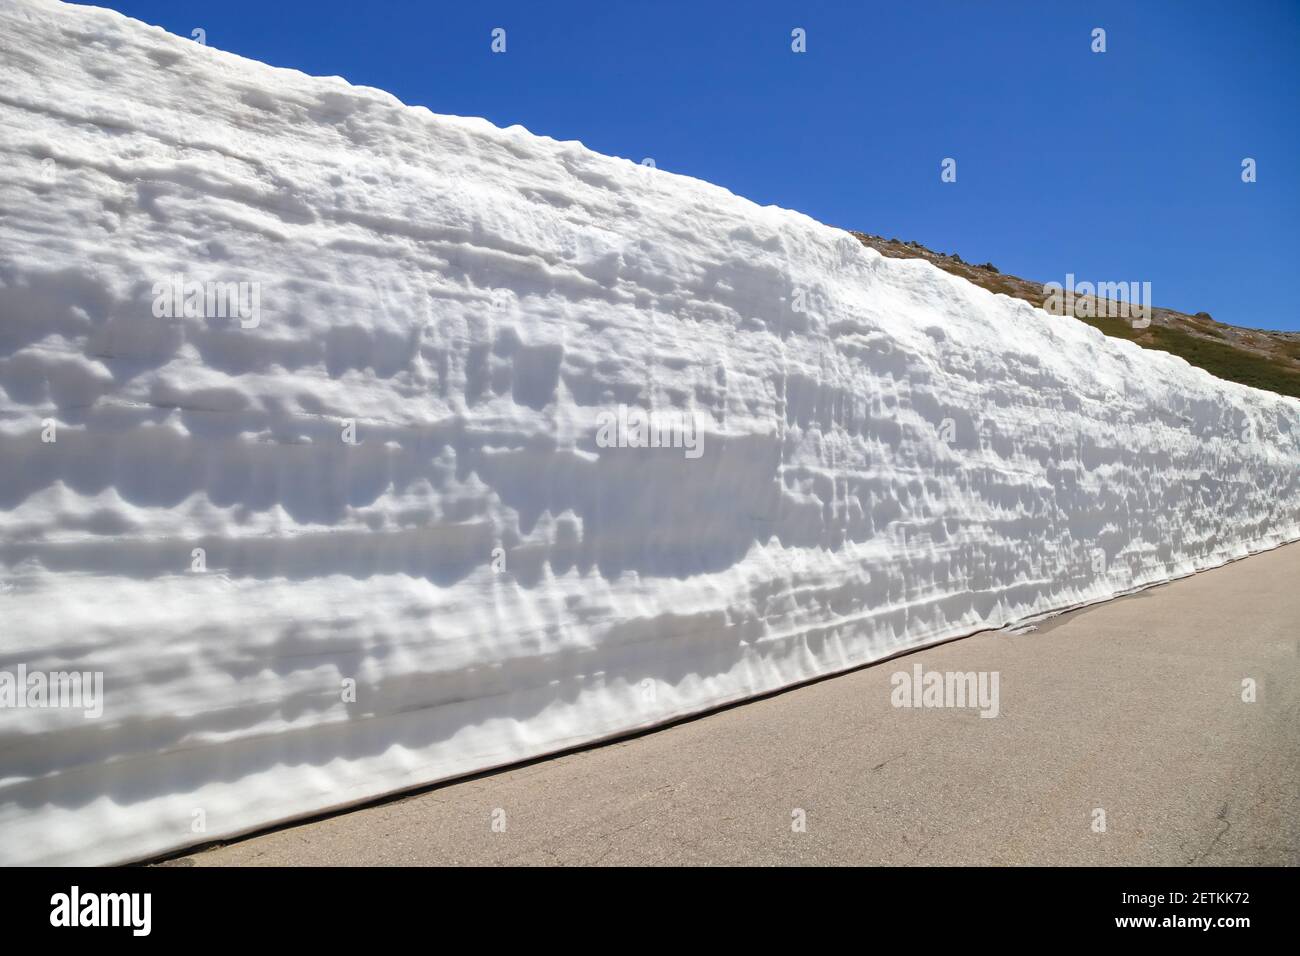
{"type": "Point", "coordinates": [1133, 709]}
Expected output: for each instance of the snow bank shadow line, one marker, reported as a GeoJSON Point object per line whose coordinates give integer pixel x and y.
{"type": "Point", "coordinates": [428, 709]}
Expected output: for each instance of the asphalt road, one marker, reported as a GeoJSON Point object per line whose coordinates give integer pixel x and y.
{"type": "Point", "coordinates": [1134, 708]}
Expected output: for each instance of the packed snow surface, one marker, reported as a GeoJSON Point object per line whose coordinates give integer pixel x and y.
{"type": "Point", "coordinates": [380, 519]}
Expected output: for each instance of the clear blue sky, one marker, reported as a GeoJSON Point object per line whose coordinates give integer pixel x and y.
{"type": "Point", "coordinates": [1117, 166]}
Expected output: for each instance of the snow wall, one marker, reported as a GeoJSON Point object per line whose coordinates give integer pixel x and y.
{"type": "Point", "coordinates": [361, 529]}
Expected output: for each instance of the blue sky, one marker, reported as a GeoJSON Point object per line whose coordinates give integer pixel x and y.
{"type": "Point", "coordinates": [1115, 166]}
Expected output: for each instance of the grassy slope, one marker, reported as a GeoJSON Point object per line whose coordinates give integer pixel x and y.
{"type": "Point", "coordinates": [1261, 359]}
{"type": "Point", "coordinates": [1216, 357]}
